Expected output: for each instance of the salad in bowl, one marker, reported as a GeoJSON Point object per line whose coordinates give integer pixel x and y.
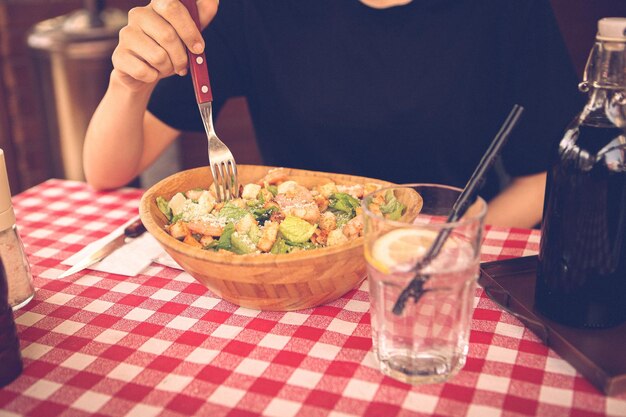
{"type": "Point", "coordinates": [292, 241]}
{"type": "Point", "coordinates": [275, 214]}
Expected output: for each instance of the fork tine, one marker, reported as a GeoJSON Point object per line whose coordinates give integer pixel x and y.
{"type": "Point", "coordinates": [229, 179]}
{"type": "Point", "coordinates": [233, 168]}
{"type": "Point", "coordinates": [214, 175]}
{"type": "Point", "coordinates": [224, 177]}
{"type": "Point", "coordinates": [225, 181]}
{"type": "Point", "coordinates": [221, 161]}
{"type": "Point", "coordinates": [218, 178]}
{"type": "Point", "coordinates": [228, 184]}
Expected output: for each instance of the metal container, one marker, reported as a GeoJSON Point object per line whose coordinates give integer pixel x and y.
{"type": "Point", "coordinates": [72, 57]}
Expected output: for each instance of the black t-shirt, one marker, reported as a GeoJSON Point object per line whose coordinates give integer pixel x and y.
{"type": "Point", "coordinates": [412, 93]}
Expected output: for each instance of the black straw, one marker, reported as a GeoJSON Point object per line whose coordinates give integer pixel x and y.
{"type": "Point", "coordinates": [415, 289]}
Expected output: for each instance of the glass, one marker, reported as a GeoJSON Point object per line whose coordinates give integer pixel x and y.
{"type": "Point", "coordinates": [10, 356]}
{"type": "Point", "coordinates": [16, 267]}
{"type": "Point", "coordinates": [428, 341]}
{"type": "Point", "coordinates": [20, 279]}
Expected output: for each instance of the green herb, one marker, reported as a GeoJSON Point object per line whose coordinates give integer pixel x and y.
{"type": "Point", "coordinates": [272, 189]}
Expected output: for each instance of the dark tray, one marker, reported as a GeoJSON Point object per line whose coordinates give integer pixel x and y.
{"type": "Point", "coordinates": [598, 354]}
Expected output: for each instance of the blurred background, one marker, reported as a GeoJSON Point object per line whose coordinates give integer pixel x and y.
{"type": "Point", "coordinates": [54, 67]}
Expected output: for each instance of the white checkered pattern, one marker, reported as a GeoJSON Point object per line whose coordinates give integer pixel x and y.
{"type": "Point", "coordinates": [161, 344]}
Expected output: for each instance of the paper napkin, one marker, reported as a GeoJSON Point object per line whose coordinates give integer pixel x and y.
{"type": "Point", "coordinates": [130, 259]}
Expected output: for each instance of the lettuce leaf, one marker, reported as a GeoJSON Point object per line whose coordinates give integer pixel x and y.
{"type": "Point", "coordinates": [343, 202]}
{"type": "Point", "coordinates": [342, 217]}
{"type": "Point", "coordinates": [224, 241]}
{"type": "Point", "coordinates": [304, 245]}
{"type": "Point", "coordinates": [263, 214]}
{"type": "Point", "coordinates": [272, 189]}
{"type": "Point", "coordinates": [296, 230]}
{"type": "Point", "coordinates": [343, 206]}
{"type": "Point", "coordinates": [164, 208]}
{"type": "Point", "coordinates": [231, 212]}
{"type": "Point", "coordinates": [286, 246]}
{"type": "Point", "coordinates": [212, 245]}
{"type": "Point", "coordinates": [392, 207]}
{"type": "Point", "coordinates": [279, 247]}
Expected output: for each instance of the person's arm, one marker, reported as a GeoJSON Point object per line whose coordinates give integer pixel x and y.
{"type": "Point", "coordinates": [540, 77]}
{"type": "Point", "coordinates": [122, 138]}
{"type": "Point", "coordinates": [520, 204]}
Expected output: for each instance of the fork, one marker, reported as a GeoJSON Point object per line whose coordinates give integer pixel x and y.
{"type": "Point", "coordinates": [221, 160]}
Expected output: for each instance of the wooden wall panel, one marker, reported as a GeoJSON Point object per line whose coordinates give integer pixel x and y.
{"type": "Point", "coordinates": [578, 23]}
{"type": "Point", "coordinates": [23, 133]}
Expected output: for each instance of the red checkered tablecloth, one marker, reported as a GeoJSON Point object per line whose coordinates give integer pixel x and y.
{"type": "Point", "coordinates": [161, 344]}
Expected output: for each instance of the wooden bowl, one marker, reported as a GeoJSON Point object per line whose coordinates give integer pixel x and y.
{"type": "Point", "coordinates": [261, 281]}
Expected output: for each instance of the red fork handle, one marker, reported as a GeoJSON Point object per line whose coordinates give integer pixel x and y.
{"type": "Point", "coordinates": [197, 62]}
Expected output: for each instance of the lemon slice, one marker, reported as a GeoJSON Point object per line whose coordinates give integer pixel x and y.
{"type": "Point", "coordinates": [400, 248]}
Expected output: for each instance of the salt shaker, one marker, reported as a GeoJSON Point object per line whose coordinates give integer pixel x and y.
{"type": "Point", "coordinates": [12, 254]}
{"type": "Point", "coordinates": [10, 357]}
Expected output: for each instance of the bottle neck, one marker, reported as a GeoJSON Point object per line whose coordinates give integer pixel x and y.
{"type": "Point", "coordinates": [606, 66]}
{"type": "Point", "coordinates": [605, 80]}
{"type": "Point", "coordinates": [595, 112]}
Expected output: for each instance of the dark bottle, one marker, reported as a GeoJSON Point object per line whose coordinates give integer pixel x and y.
{"type": "Point", "coordinates": [10, 357]}
{"type": "Point", "coordinates": [581, 279]}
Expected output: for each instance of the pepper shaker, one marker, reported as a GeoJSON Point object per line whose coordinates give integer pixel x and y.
{"type": "Point", "coordinates": [10, 356]}
{"type": "Point", "coordinates": [17, 269]}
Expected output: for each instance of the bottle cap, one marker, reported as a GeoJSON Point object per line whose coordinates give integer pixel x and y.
{"type": "Point", "coordinates": [612, 29]}
{"type": "Point", "coordinates": [7, 215]}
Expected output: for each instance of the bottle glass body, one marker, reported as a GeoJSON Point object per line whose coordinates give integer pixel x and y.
{"type": "Point", "coordinates": [581, 278]}
{"type": "Point", "coordinates": [19, 277]}
{"type": "Point", "coordinates": [10, 357]}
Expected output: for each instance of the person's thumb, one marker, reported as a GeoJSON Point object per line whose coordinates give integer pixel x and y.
{"type": "Point", "coordinates": [207, 10]}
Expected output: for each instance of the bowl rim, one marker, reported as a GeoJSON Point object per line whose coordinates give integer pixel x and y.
{"type": "Point", "coordinates": [466, 220]}
{"type": "Point", "coordinates": [254, 259]}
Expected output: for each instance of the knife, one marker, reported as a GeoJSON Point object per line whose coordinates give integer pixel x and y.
{"type": "Point", "coordinates": [133, 230]}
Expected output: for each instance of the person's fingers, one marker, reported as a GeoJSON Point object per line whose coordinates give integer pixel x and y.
{"type": "Point", "coordinates": [147, 49]}
{"type": "Point", "coordinates": [207, 9]}
{"type": "Point", "coordinates": [149, 22]}
{"type": "Point", "coordinates": [175, 13]}
{"type": "Point", "coordinates": [165, 35]}
{"type": "Point", "coordinates": [128, 63]}
{"type": "Point", "coordinates": [153, 44]}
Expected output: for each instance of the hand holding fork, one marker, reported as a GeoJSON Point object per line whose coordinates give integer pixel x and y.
{"type": "Point", "coordinates": [221, 160]}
